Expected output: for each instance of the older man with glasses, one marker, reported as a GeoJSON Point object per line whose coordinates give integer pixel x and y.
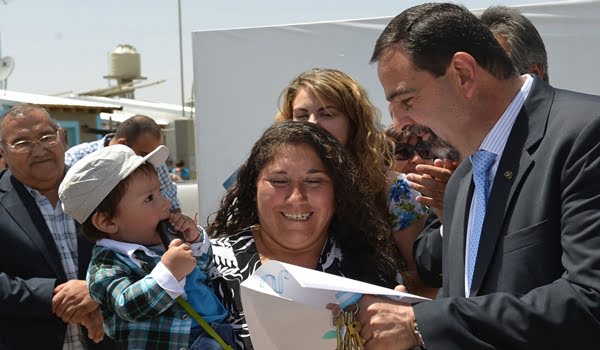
{"type": "Point", "coordinates": [44, 298]}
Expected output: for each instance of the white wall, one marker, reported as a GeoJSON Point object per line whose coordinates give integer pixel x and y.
{"type": "Point", "coordinates": [239, 74]}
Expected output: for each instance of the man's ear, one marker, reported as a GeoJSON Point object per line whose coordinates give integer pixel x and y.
{"type": "Point", "coordinates": [62, 135]}
{"type": "Point", "coordinates": [118, 141]}
{"type": "Point", "coordinates": [465, 71]}
{"type": "Point", "coordinates": [536, 69]}
{"type": "Point", "coordinates": [104, 223]}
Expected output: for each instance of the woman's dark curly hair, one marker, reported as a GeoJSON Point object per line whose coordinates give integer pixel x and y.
{"type": "Point", "coordinates": [359, 231]}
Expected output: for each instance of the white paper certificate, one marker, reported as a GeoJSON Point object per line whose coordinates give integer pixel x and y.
{"type": "Point", "coordinates": [285, 305]}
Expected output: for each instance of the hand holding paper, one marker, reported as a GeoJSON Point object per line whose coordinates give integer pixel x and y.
{"type": "Point", "coordinates": [386, 324]}
{"type": "Point", "coordinates": [278, 297]}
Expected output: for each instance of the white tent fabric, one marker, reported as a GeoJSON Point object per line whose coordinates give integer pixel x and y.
{"type": "Point", "coordinates": [239, 74]}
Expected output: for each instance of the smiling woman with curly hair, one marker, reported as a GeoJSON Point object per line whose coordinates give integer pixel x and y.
{"type": "Point", "coordinates": [299, 198]}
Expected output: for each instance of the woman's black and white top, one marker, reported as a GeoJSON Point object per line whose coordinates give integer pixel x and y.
{"type": "Point", "coordinates": [235, 259]}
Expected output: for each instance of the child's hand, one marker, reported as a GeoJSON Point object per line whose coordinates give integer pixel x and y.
{"type": "Point", "coordinates": [186, 225]}
{"type": "Point", "coordinates": [179, 259]}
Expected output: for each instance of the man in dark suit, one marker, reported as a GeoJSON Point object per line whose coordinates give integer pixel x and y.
{"type": "Point", "coordinates": [524, 46]}
{"type": "Point", "coordinates": [521, 268]}
{"type": "Point", "coordinates": [43, 294]}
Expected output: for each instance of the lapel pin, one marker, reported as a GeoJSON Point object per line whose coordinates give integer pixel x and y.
{"type": "Point", "coordinates": [508, 174]}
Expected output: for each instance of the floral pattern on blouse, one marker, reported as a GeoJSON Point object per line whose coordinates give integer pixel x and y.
{"type": "Point", "coordinates": [402, 204]}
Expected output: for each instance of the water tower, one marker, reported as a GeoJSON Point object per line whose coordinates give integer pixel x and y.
{"type": "Point", "coordinates": [125, 68]}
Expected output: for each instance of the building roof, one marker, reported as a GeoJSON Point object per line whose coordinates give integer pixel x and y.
{"type": "Point", "coordinates": [121, 116]}
{"type": "Point", "coordinates": [54, 103]}
{"type": "Point", "coordinates": [162, 113]}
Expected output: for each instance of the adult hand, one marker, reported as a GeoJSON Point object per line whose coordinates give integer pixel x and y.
{"type": "Point", "coordinates": [179, 259]}
{"type": "Point", "coordinates": [93, 323]}
{"type": "Point", "coordinates": [431, 183]}
{"type": "Point", "coordinates": [386, 324]}
{"type": "Point", "coordinates": [72, 301]}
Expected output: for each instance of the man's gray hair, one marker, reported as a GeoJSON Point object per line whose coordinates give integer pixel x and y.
{"type": "Point", "coordinates": [525, 43]}
{"type": "Point", "coordinates": [22, 110]}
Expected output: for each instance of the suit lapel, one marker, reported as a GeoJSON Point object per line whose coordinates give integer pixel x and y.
{"type": "Point", "coordinates": [514, 165]}
{"type": "Point", "coordinates": [17, 201]}
{"type": "Point", "coordinates": [456, 237]}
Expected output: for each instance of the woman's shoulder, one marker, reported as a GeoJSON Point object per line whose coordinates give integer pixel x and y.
{"type": "Point", "coordinates": [237, 241]}
{"type": "Point", "coordinates": [231, 254]}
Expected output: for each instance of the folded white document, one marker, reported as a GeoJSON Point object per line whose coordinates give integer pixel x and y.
{"type": "Point", "coordinates": [285, 305]}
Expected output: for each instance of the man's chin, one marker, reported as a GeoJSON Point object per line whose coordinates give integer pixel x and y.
{"type": "Point", "coordinates": [48, 169]}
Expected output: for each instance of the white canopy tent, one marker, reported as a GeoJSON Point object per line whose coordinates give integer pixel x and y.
{"type": "Point", "coordinates": [239, 74]}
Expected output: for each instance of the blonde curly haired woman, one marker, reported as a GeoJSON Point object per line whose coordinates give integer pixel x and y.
{"type": "Point", "coordinates": [335, 101]}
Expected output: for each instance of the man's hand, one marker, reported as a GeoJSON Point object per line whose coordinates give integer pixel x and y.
{"type": "Point", "coordinates": [386, 324]}
{"type": "Point", "coordinates": [72, 302]}
{"type": "Point", "coordinates": [431, 183]}
{"type": "Point", "coordinates": [93, 323]}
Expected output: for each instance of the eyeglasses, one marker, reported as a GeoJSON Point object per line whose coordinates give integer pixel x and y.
{"type": "Point", "coordinates": [405, 151]}
{"type": "Point", "coordinates": [26, 146]}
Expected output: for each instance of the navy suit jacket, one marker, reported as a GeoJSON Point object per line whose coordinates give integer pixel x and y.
{"type": "Point", "coordinates": [30, 269]}
{"type": "Point", "coordinates": [536, 283]}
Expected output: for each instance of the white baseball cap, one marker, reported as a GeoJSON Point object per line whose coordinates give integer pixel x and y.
{"type": "Point", "coordinates": [92, 178]}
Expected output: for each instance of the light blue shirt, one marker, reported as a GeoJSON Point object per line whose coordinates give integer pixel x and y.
{"type": "Point", "coordinates": [494, 142]}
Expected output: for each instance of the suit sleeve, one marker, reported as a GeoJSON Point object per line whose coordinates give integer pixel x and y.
{"type": "Point", "coordinates": [564, 314]}
{"type": "Point", "coordinates": [428, 254]}
{"type": "Point", "coordinates": [22, 296]}
{"type": "Point", "coordinates": [26, 298]}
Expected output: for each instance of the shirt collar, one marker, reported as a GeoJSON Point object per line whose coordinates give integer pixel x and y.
{"type": "Point", "coordinates": [39, 197]}
{"type": "Point", "coordinates": [496, 139]}
{"type": "Point", "coordinates": [127, 249]}
{"type": "Point", "coordinates": [32, 191]}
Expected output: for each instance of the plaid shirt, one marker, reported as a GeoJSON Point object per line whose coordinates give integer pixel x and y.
{"type": "Point", "coordinates": [63, 230]}
{"type": "Point", "coordinates": [138, 313]}
{"type": "Point", "coordinates": [167, 187]}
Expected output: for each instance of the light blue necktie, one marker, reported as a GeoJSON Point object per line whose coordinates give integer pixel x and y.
{"type": "Point", "coordinates": [482, 162]}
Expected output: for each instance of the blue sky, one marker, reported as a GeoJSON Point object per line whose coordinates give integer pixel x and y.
{"type": "Point", "coordinates": [63, 45]}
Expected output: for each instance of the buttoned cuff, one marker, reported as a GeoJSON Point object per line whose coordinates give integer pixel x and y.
{"type": "Point", "coordinates": [167, 281]}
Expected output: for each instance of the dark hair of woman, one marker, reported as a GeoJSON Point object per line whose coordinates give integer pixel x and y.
{"type": "Point", "coordinates": [359, 231]}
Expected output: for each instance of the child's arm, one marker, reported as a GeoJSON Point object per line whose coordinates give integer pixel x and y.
{"type": "Point", "coordinates": [120, 289]}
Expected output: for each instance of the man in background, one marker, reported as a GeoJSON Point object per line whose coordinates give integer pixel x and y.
{"type": "Point", "coordinates": [519, 38]}
{"type": "Point", "coordinates": [142, 135]}
{"type": "Point", "coordinates": [44, 298]}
